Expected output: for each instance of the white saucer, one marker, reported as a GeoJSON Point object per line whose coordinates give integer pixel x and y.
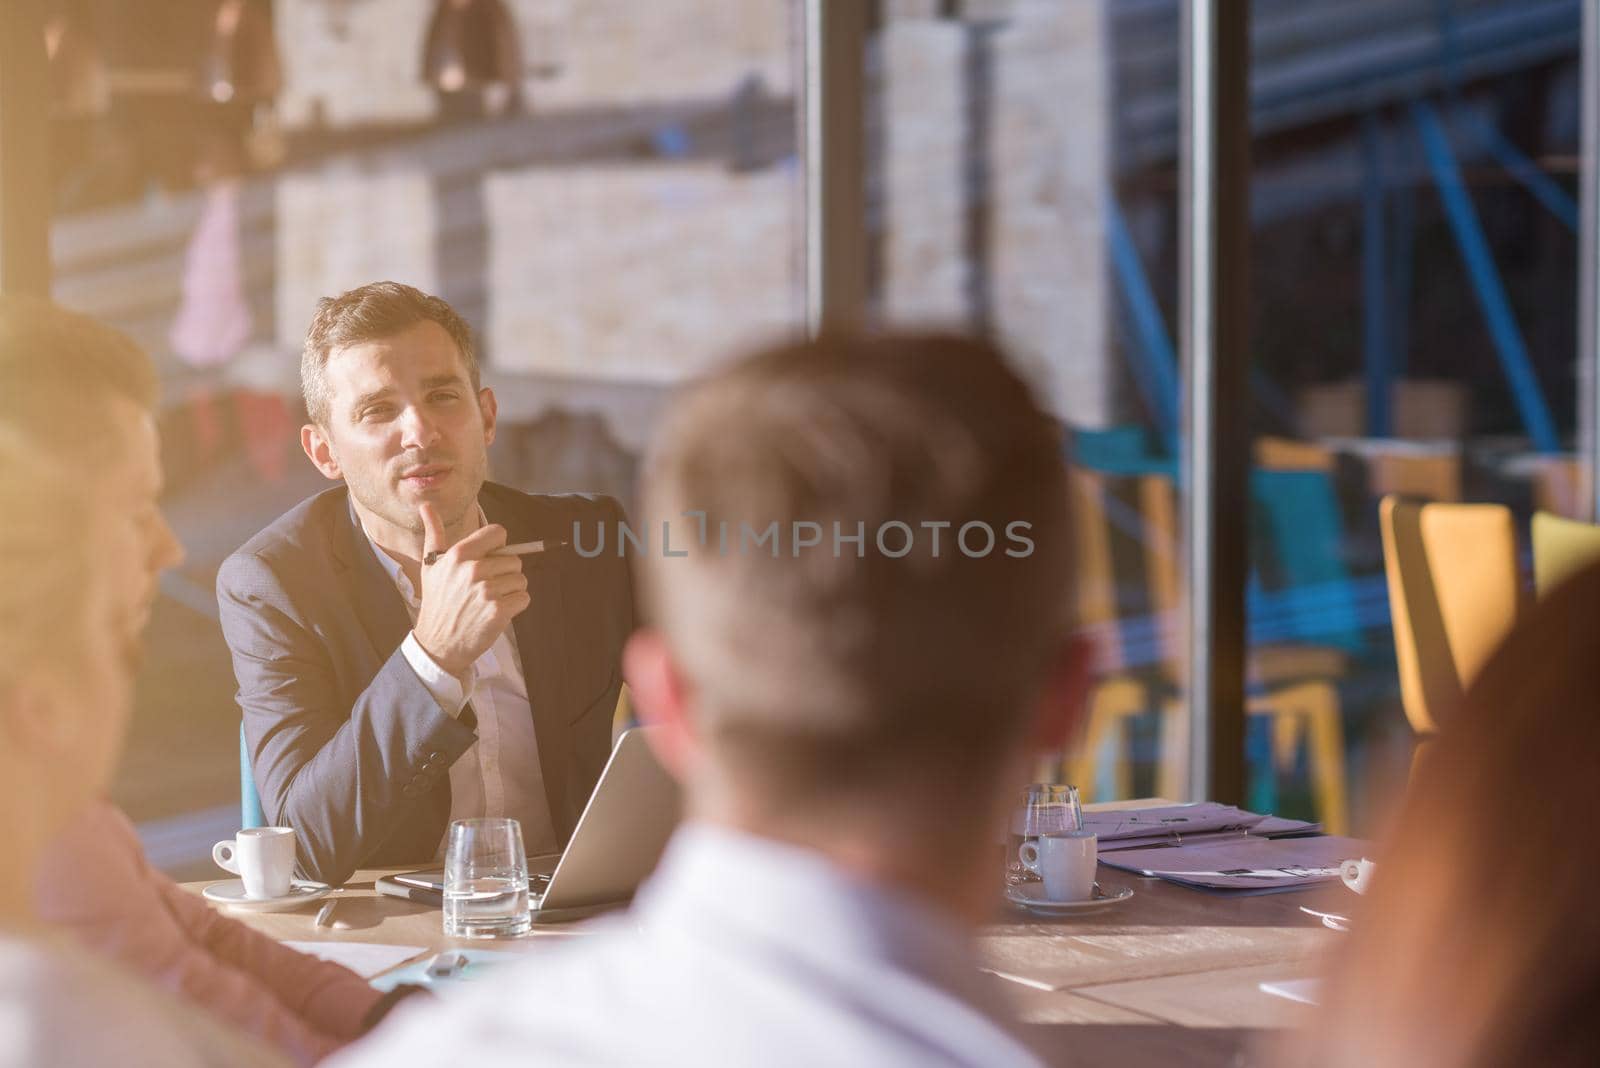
{"type": "Point", "coordinates": [231, 894]}
{"type": "Point", "coordinates": [1030, 896]}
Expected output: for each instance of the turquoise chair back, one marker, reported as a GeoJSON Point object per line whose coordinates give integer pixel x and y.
{"type": "Point", "coordinates": [1119, 450]}
{"type": "Point", "coordinates": [1298, 513]}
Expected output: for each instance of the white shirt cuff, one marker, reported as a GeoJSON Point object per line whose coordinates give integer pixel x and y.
{"type": "Point", "coordinates": [445, 687]}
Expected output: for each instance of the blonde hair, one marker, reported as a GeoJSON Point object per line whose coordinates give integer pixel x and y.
{"type": "Point", "coordinates": [61, 375]}
{"type": "Point", "coordinates": [61, 372]}
{"type": "Point", "coordinates": [45, 560]}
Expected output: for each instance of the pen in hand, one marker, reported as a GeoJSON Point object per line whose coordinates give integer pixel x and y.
{"type": "Point", "coordinates": [523, 548]}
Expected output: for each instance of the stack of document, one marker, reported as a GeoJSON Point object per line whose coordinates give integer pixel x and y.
{"type": "Point", "coordinates": [1220, 847]}
{"type": "Point", "coordinates": [1180, 824]}
{"type": "Point", "coordinates": [1244, 862]}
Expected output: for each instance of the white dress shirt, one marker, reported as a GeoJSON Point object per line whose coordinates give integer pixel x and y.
{"type": "Point", "coordinates": [500, 774]}
{"type": "Point", "coordinates": [738, 951]}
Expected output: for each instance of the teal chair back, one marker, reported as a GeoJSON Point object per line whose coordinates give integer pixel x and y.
{"type": "Point", "coordinates": [1119, 450]}
{"type": "Point", "coordinates": [1298, 512]}
{"type": "Point", "coordinates": [250, 814]}
{"type": "Point", "coordinates": [1297, 515]}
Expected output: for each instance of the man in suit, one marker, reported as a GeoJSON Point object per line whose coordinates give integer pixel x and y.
{"type": "Point", "coordinates": [397, 669]}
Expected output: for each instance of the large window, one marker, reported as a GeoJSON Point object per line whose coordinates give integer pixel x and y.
{"type": "Point", "coordinates": [1022, 183]}
{"type": "Point", "coordinates": [607, 190]}
{"type": "Point", "coordinates": [611, 192]}
{"type": "Point", "coordinates": [1414, 290]}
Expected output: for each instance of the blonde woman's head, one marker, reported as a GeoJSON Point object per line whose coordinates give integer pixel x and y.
{"type": "Point", "coordinates": [80, 394]}
{"type": "Point", "coordinates": [65, 635]}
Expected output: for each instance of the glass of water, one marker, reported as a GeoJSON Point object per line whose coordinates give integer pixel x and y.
{"type": "Point", "coordinates": [485, 880]}
{"type": "Point", "coordinates": [1043, 808]}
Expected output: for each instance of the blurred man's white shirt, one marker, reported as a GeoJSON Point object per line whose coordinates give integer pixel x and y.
{"type": "Point", "coordinates": [739, 950]}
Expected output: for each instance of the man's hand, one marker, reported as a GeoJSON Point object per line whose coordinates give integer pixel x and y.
{"type": "Point", "coordinates": [468, 595]}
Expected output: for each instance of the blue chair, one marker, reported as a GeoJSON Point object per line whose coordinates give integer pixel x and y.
{"type": "Point", "coordinates": [250, 814]}
{"type": "Point", "coordinates": [1118, 450]}
{"type": "Point", "coordinates": [1306, 631]}
{"type": "Point", "coordinates": [1311, 622]}
{"type": "Point", "coordinates": [1298, 514]}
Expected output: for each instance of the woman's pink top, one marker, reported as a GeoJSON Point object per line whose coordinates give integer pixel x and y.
{"type": "Point", "coordinates": [95, 881]}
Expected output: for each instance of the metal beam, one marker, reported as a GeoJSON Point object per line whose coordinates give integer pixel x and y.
{"type": "Point", "coordinates": [833, 137]}
{"type": "Point", "coordinates": [1524, 171]}
{"type": "Point", "coordinates": [1486, 284]}
{"type": "Point", "coordinates": [1374, 286]}
{"type": "Point", "coordinates": [25, 206]}
{"type": "Point", "coordinates": [1401, 270]}
{"type": "Point", "coordinates": [1214, 238]}
{"type": "Point", "coordinates": [1155, 365]}
{"type": "Point", "coordinates": [1589, 260]}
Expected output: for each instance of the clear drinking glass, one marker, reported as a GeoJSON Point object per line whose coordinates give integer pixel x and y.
{"type": "Point", "coordinates": [485, 880]}
{"type": "Point", "coordinates": [1045, 807]}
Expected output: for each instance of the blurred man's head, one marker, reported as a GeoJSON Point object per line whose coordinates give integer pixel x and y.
{"type": "Point", "coordinates": [80, 395]}
{"type": "Point", "coordinates": [66, 667]}
{"type": "Point", "coordinates": [391, 384]}
{"type": "Point", "coordinates": [841, 681]}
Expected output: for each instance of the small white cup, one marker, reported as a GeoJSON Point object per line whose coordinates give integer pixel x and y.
{"type": "Point", "coordinates": [1357, 874]}
{"type": "Point", "coordinates": [1065, 860]}
{"type": "Point", "coordinates": [263, 857]}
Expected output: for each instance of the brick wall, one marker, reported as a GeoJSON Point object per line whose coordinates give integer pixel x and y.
{"type": "Point", "coordinates": [640, 273]}
{"type": "Point", "coordinates": [336, 231]}
{"type": "Point", "coordinates": [576, 52]}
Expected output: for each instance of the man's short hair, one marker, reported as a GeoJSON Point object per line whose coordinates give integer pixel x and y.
{"type": "Point", "coordinates": [372, 312]}
{"type": "Point", "coordinates": [846, 668]}
{"type": "Point", "coordinates": [59, 370]}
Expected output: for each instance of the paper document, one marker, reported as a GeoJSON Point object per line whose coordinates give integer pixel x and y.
{"type": "Point", "coordinates": [1242, 863]}
{"type": "Point", "coordinates": [366, 959]}
{"type": "Point", "coordinates": [1179, 824]}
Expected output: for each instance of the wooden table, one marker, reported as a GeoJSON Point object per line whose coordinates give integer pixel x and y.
{"type": "Point", "coordinates": [1170, 975]}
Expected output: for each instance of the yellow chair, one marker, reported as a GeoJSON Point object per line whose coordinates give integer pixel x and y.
{"type": "Point", "coordinates": [1299, 705]}
{"type": "Point", "coordinates": [1453, 595]}
{"type": "Point", "coordinates": [1561, 549]}
{"type": "Point", "coordinates": [1295, 683]}
{"type": "Point", "coordinates": [1116, 695]}
{"type": "Point", "coordinates": [1307, 709]}
{"type": "Point", "coordinates": [1288, 454]}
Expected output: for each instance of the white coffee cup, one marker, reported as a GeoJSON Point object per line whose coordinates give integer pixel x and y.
{"type": "Point", "coordinates": [1065, 860]}
{"type": "Point", "coordinates": [263, 857]}
{"type": "Point", "coordinates": [1357, 874]}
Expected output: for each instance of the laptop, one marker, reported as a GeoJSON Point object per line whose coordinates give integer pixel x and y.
{"type": "Point", "coordinates": [619, 838]}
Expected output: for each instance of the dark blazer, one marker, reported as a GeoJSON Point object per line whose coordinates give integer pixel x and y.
{"type": "Point", "coordinates": [348, 746]}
